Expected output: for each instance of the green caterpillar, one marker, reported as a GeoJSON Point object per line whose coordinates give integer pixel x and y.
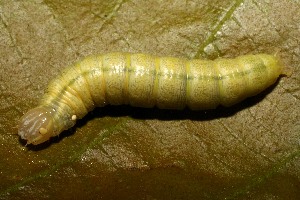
{"type": "Point", "coordinates": [145, 81]}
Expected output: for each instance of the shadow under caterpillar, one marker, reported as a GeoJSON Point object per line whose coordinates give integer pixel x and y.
{"type": "Point", "coordinates": [146, 81]}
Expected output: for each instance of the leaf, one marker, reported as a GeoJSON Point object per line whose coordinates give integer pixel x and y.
{"type": "Point", "coordinates": [248, 151]}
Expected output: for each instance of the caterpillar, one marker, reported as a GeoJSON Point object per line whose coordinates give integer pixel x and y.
{"type": "Point", "coordinates": [143, 80]}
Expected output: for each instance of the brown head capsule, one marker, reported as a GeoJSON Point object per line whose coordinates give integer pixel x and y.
{"type": "Point", "coordinates": [36, 126]}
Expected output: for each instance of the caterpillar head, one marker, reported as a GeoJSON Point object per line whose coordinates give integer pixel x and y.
{"type": "Point", "coordinates": [36, 126]}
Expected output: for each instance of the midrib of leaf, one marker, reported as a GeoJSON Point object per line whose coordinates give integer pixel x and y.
{"type": "Point", "coordinates": [218, 26]}
{"type": "Point", "coordinates": [71, 159]}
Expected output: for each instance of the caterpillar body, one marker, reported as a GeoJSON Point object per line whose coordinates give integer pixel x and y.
{"type": "Point", "coordinates": [145, 81]}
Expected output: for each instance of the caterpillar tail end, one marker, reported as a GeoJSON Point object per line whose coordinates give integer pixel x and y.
{"type": "Point", "coordinates": [285, 70]}
{"type": "Point", "coordinates": [36, 126]}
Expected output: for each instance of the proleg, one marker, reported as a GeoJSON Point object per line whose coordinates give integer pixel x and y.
{"type": "Point", "coordinates": [143, 80]}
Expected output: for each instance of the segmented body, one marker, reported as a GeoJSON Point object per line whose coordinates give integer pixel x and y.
{"type": "Point", "coordinates": [146, 81]}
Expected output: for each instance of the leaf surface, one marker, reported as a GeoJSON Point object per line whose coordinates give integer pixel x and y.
{"type": "Point", "coordinates": [248, 151]}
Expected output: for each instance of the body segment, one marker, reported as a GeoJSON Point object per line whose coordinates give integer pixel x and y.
{"type": "Point", "coordinates": [146, 81]}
